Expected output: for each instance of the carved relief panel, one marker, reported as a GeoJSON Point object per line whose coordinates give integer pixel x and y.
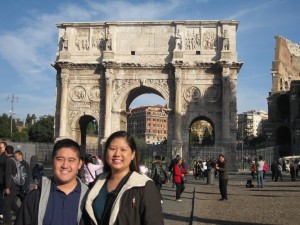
{"type": "Point", "coordinates": [209, 38]}
{"type": "Point", "coordinates": [193, 39]}
{"type": "Point", "coordinates": [82, 38]}
{"type": "Point", "coordinates": [84, 98]}
{"type": "Point", "coordinates": [209, 101]}
{"type": "Point", "coordinates": [98, 39]}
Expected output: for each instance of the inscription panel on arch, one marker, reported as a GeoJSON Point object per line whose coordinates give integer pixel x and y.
{"type": "Point", "coordinates": [143, 38]}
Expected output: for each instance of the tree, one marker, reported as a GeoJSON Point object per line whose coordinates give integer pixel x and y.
{"type": "Point", "coordinates": [42, 130]}
{"type": "Point", "coordinates": [207, 138]}
{"type": "Point", "coordinates": [20, 136]}
{"type": "Point", "coordinates": [5, 122]}
{"type": "Point", "coordinates": [194, 138]}
{"type": "Point", "coordinates": [141, 145]}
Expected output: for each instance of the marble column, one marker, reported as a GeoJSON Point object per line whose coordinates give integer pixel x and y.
{"type": "Point", "coordinates": [108, 103]}
{"type": "Point", "coordinates": [226, 105]}
{"type": "Point", "coordinates": [178, 109]}
{"type": "Point", "coordinates": [63, 105]}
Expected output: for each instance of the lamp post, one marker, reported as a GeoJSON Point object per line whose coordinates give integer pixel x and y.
{"type": "Point", "coordinates": [243, 146]}
{"type": "Point", "coordinates": [12, 98]}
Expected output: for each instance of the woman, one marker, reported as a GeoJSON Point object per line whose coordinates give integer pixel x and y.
{"type": "Point", "coordinates": [91, 170]}
{"type": "Point", "coordinates": [123, 195]}
{"type": "Point", "coordinates": [179, 178]}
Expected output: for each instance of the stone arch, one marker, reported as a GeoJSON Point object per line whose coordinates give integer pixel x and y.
{"type": "Point", "coordinates": [283, 140]}
{"type": "Point", "coordinates": [79, 123]}
{"type": "Point", "coordinates": [283, 108]}
{"type": "Point", "coordinates": [143, 60]}
{"type": "Point", "coordinates": [136, 89]}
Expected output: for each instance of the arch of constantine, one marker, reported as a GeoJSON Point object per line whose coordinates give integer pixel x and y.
{"type": "Point", "coordinates": [103, 66]}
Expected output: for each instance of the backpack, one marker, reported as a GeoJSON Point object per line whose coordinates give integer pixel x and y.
{"type": "Point", "coordinates": [21, 174]}
{"type": "Point", "coordinates": [249, 184]}
{"type": "Point", "coordinates": [160, 175]}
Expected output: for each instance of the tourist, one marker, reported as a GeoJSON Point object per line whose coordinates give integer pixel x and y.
{"type": "Point", "coordinates": [253, 169]}
{"type": "Point", "coordinates": [265, 169]}
{"type": "Point", "coordinates": [158, 174]}
{"type": "Point", "coordinates": [179, 178]}
{"type": "Point", "coordinates": [11, 188]}
{"type": "Point", "coordinates": [293, 171]}
{"type": "Point", "coordinates": [123, 186]}
{"type": "Point", "coordinates": [3, 158]}
{"type": "Point", "coordinates": [47, 204]}
{"type": "Point", "coordinates": [23, 189]}
{"type": "Point", "coordinates": [91, 169]}
{"type": "Point", "coordinates": [171, 167]}
{"type": "Point", "coordinates": [259, 168]}
{"type": "Point", "coordinates": [222, 167]}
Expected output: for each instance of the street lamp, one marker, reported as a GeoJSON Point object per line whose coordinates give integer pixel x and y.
{"type": "Point", "coordinates": [12, 98]}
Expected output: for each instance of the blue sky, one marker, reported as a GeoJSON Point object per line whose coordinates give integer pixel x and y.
{"type": "Point", "coordinates": [28, 42]}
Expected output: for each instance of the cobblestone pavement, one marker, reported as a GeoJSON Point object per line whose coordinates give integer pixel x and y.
{"type": "Point", "coordinates": [277, 203]}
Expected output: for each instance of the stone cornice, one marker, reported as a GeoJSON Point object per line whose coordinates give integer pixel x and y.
{"type": "Point", "coordinates": [77, 66]}
{"type": "Point", "coordinates": [133, 65]}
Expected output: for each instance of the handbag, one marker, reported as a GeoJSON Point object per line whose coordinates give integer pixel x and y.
{"type": "Point", "coordinates": [183, 179]}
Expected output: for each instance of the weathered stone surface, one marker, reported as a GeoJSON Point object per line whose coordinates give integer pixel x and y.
{"type": "Point", "coordinates": [192, 64]}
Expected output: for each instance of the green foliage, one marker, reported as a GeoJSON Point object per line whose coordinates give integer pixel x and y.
{"type": "Point", "coordinates": [42, 130]}
{"type": "Point", "coordinates": [208, 139]}
{"type": "Point", "coordinates": [91, 129]}
{"type": "Point", "coordinates": [30, 119]}
{"type": "Point", "coordinates": [257, 141]}
{"type": "Point", "coordinates": [194, 138]}
{"type": "Point", "coordinates": [20, 136]}
{"type": "Point", "coordinates": [5, 122]}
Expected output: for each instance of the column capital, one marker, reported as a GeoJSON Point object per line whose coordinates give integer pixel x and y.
{"type": "Point", "coordinates": [64, 79]}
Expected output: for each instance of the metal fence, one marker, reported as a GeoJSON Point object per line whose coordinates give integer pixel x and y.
{"type": "Point", "coordinates": [43, 151]}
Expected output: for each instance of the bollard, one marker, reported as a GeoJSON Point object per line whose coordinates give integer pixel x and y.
{"type": "Point", "coordinates": [210, 176]}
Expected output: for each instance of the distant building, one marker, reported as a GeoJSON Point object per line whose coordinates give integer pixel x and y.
{"type": "Point", "coordinates": [283, 127]}
{"type": "Point", "coordinates": [251, 123]}
{"type": "Point", "coordinates": [149, 122]}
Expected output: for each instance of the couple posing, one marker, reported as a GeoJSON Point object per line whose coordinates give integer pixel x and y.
{"type": "Point", "coordinates": [121, 195]}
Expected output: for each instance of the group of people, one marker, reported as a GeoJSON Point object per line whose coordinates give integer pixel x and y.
{"type": "Point", "coordinates": [112, 190]}
{"type": "Point", "coordinates": [14, 181]}
{"type": "Point", "coordinates": [120, 193]}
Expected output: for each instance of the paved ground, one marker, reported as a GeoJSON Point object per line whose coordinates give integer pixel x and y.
{"type": "Point", "coordinates": [277, 203]}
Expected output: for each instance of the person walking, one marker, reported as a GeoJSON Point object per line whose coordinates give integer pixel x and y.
{"type": "Point", "coordinates": [171, 168]}
{"type": "Point", "coordinates": [3, 159]}
{"type": "Point", "coordinates": [179, 178]}
{"type": "Point", "coordinates": [265, 169]}
{"type": "Point", "coordinates": [122, 194]}
{"type": "Point", "coordinates": [158, 174]}
{"type": "Point", "coordinates": [259, 168]}
{"type": "Point", "coordinates": [222, 168]}
{"type": "Point", "coordinates": [59, 199]}
{"type": "Point", "coordinates": [11, 188]}
{"type": "Point", "coordinates": [23, 189]}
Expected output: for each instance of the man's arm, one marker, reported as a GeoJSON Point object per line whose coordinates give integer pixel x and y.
{"type": "Point", "coordinates": [9, 172]}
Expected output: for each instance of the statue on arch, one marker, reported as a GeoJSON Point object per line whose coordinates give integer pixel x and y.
{"type": "Point", "coordinates": [65, 41]}
{"type": "Point", "coordinates": [225, 38]}
{"type": "Point", "coordinates": [178, 40]}
{"type": "Point", "coordinates": [108, 41]}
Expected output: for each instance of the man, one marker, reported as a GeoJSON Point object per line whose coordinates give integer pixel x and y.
{"type": "Point", "coordinates": [260, 170]}
{"type": "Point", "coordinates": [2, 174]}
{"type": "Point", "coordinates": [158, 174]}
{"type": "Point", "coordinates": [24, 189]}
{"type": "Point", "coordinates": [11, 189]}
{"type": "Point", "coordinates": [60, 199]}
{"type": "Point", "coordinates": [222, 167]}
